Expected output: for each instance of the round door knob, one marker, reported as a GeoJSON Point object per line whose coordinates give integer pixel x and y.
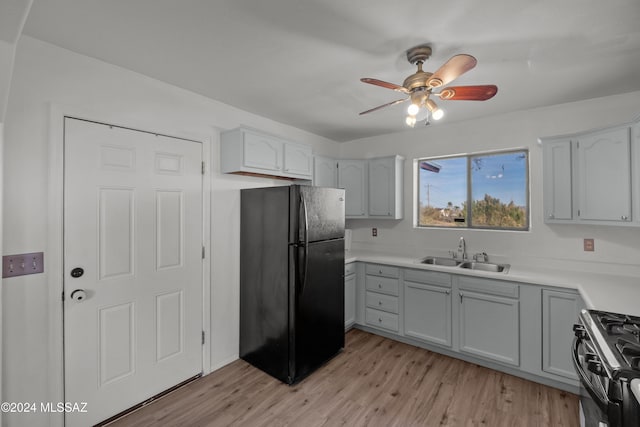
{"type": "Point", "coordinates": [78, 295]}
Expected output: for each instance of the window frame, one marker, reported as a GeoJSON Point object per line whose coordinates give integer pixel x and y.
{"type": "Point", "coordinates": [468, 224]}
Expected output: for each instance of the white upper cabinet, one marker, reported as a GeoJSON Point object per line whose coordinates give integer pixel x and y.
{"type": "Point", "coordinates": [298, 160]}
{"type": "Point", "coordinates": [247, 151]}
{"type": "Point", "coordinates": [604, 174]}
{"type": "Point", "coordinates": [353, 177]}
{"type": "Point", "coordinates": [385, 187]}
{"type": "Point", "coordinates": [558, 203]}
{"type": "Point", "coordinates": [373, 188]}
{"type": "Point", "coordinates": [261, 152]}
{"type": "Point", "coordinates": [592, 177]}
{"type": "Point", "coordinates": [325, 172]}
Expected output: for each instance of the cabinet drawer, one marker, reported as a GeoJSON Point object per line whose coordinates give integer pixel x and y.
{"type": "Point", "coordinates": [493, 287]}
{"type": "Point", "coordinates": [383, 285]}
{"type": "Point", "coordinates": [382, 319]}
{"type": "Point", "coordinates": [350, 269]}
{"type": "Point", "coordinates": [382, 302]}
{"type": "Point", "coordinates": [430, 277]}
{"type": "Point", "coordinates": [382, 270]}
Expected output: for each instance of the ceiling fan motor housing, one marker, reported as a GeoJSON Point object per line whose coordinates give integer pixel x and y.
{"type": "Point", "coordinates": [420, 79]}
{"type": "Point", "coordinates": [417, 79]}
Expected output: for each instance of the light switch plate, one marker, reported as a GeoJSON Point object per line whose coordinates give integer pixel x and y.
{"type": "Point", "coordinates": [21, 264]}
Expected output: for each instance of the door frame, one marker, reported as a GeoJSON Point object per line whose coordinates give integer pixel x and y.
{"type": "Point", "coordinates": [55, 235]}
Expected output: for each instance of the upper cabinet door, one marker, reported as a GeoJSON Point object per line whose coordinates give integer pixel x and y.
{"type": "Point", "coordinates": [558, 203]}
{"type": "Point", "coordinates": [262, 152]}
{"type": "Point", "coordinates": [298, 160]}
{"type": "Point", "coordinates": [381, 186]}
{"type": "Point", "coordinates": [604, 174]}
{"type": "Point", "coordinates": [325, 172]}
{"type": "Point", "coordinates": [385, 187]}
{"type": "Point", "coordinates": [352, 176]}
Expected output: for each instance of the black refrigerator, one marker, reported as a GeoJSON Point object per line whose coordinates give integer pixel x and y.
{"type": "Point", "coordinates": [291, 278]}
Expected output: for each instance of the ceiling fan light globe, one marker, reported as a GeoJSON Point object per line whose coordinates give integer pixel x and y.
{"type": "Point", "coordinates": [413, 109]}
{"type": "Point", "coordinates": [436, 112]}
{"type": "Point", "coordinates": [410, 121]}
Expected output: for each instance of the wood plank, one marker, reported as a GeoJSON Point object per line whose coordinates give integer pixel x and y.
{"type": "Point", "coordinates": [373, 382]}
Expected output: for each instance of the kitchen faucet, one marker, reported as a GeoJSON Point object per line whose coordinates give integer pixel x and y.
{"type": "Point", "coordinates": [462, 249]}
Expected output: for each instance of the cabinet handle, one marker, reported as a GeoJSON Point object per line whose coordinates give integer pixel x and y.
{"type": "Point", "coordinates": [379, 302]}
{"type": "Point", "coordinates": [379, 320]}
{"type": "Point", "coordinates": [551, 216]}
{"type": "Point", "coordinates": [447, 292]}
{"type": "Point", "coordinates": [460, 297]}
{"type": "Point", "coordinates": [379, 271]}
{"type": "Point", "coordinates": [624, 217]}
{"type": "Point", "coordinates": [379, 286]}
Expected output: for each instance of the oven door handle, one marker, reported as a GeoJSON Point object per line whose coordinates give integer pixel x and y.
{"type": "Point", "coordinates": [600, 400]}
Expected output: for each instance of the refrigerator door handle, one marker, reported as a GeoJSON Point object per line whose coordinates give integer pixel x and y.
{"type": "Point", "coordinates": [303, 213]}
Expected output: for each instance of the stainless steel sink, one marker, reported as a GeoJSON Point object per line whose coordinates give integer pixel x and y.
{"type": "Point", "coordinates": [445, 262]}
{"type": "Point", "coordinates": [485, 266]}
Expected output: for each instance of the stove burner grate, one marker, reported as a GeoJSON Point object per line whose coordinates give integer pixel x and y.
{"type": "Point", "coordinates": [630, 351]}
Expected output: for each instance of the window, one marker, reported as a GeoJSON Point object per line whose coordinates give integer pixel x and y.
{"type": "Point", "coordinates": [488, 190]}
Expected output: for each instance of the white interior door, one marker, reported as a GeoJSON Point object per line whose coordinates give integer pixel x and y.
{"type": "Point", "coordinates": [133, 224]}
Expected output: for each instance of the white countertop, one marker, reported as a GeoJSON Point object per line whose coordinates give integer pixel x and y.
{"type": "Point", "coordinates": [607, 292]}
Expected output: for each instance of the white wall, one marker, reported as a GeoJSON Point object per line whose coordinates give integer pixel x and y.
{"type": "Point", "coordinates": [617, 248]}
{"type": "Point", "coordinates": [45, 75]}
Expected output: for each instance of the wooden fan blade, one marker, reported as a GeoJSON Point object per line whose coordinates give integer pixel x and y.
{"type": "Point", "coordinates": [451, 70]}
{"type": "Point", "coordinates": [388, 104]}
{"type": "Point", "coordinates": [385, 84]}
{"type": "Point", "coordinates": [468, 93]}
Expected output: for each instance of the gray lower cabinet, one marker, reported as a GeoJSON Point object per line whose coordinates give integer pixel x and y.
{"type": "Point", "coordinates": [560, 311]}
{"type": "Point", "coordinates": [427, 306]}
{"type": "Point", "coordinates": [489, 319]}
{"type": "Point", "coordinates": [382, 290]}
{"type": "Point", "coordinates": [514, 326]}
{"type": "Point", "coordinates": [349, 295]}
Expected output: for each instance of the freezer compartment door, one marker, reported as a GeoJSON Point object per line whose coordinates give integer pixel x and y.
{"type": "Point", "coordinates": [321, 210]}
{"type": "Point", "coordinates": [318, 312]}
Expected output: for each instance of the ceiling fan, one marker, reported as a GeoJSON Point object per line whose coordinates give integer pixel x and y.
{"type": "Point", "coordinates": [420, 85]}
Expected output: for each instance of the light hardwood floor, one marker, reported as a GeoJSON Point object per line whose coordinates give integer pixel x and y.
{"type": "Point", "coordinates": [373, 382]}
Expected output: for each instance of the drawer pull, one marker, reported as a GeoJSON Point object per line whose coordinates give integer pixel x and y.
{"type": "Point", "coordinates": [379, 286]}
{"type": "Point", "coordinates": [379, 302]}
{"type": "Point", "coordinates": [379, 320]}
{"type": "Point", "coordinates": [379, 271]}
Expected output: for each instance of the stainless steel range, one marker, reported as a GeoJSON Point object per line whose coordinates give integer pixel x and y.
{"type": "Point", "coordinates": [606, 355]}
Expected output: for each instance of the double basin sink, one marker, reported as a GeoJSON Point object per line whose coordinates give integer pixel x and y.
{"type": "Point", "coordinates": [469, 265]}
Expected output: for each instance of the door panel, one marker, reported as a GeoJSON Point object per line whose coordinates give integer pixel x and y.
{"type": "Point", "coordinates": [115, 225]}
{"type": "Point", "coordinates": [133, 223]}
{"type": "Point", "coordinates": [319, 315]}
{"type": "Point", "coordinates": [116, 353]}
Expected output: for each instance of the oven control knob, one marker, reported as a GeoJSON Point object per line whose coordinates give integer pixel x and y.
{"type": "Point", "coordinates": [579, 331]}
{"type": "Point", "coordinates": [595, 366]}
{"type": "Point", "coordinates": [591, 357]}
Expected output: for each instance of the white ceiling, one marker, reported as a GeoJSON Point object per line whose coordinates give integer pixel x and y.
{"type": "Point", "coordinates": [299, 61]}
